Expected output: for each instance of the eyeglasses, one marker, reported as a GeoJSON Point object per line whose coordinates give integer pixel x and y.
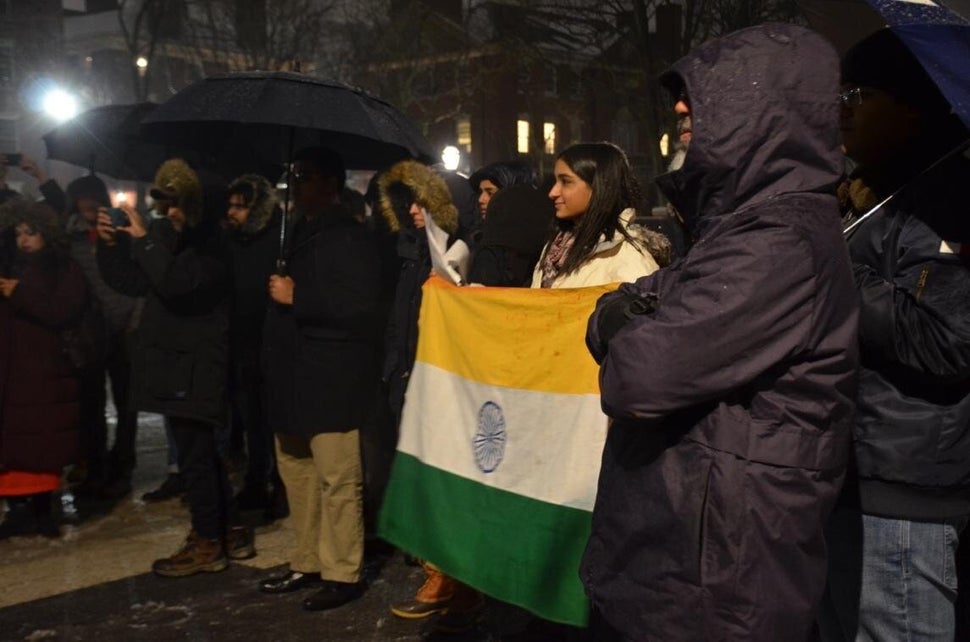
{"type": "Point", "coordinates": [851, 97]}
{"type": "Point", "coordinates": [302, 176]}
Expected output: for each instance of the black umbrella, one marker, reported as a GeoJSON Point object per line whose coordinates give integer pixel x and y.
{"type": "Point", "coordinates": [260, 117]}
{"type": "Point", "coordinates": [106, 140]}
{"type": "Point", "coordinates": [267, 115]}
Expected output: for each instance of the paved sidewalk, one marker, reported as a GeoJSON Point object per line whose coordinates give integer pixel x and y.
{"type": "Point", "coordinates": [93, 584]}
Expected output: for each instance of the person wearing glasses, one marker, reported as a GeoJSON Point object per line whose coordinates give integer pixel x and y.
{"type": "Point", "coordinates": [729, 375]}
{"type": "Point", "coordinates": [319, 355]}
{"type": "Point", "coordinates": [893, 537]}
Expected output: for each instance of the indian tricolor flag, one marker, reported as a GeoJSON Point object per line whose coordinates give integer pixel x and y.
{"type": "Point", "coordinates": [501, 438]}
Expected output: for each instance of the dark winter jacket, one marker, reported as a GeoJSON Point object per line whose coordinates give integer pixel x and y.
{"type": "Point", "coordinates": [178, 364]}
{"type": "Point", "coordinates": [430, 191]}
{"type": "Point", "coordinates": [912, 432]}
{"type": "Point", "coordinates": [513, 235]}
{"type": "Point", "coordinates": [318, 354]}
{"type": "Point", "coordinates": [255, 251]}
{"type": "Point", "coordinates": [732, 399]}
{"type": "Point", "coordinates": [38, 388]}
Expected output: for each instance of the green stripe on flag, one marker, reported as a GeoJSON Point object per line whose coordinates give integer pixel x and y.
{"type": "Point", "coordinates": [515, 549]}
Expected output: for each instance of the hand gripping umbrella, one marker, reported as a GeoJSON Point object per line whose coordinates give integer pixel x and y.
{"type": "Point", "coordinates": [266, 116]}
{"type": "Point", "coordinates": [933, 30]}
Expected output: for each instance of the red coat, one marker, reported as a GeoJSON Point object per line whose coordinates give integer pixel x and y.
{"type": "Point", "coordinates": [39, 396]}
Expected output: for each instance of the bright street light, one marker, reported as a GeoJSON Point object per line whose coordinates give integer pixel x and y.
{"type": "Point", "coordinates": [451, 157]}
{"type": "Point", "coordinates": [59, 104]}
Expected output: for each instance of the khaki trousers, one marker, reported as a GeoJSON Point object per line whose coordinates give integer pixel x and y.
{"type": "Point", "coordinates": [324, 488]}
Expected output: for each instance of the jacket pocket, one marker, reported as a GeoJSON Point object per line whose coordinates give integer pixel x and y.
{"type": "Point", "coordinates": [169, 373]}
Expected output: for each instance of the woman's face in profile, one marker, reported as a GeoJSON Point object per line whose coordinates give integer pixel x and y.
{"type": "Point", "coordinates": [28, 239]}
{"type": "Point", "coordinates": [570, 194]}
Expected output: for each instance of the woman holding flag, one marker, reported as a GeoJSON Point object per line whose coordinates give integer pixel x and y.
{"type": "Point", "coordinates": [595, 240]}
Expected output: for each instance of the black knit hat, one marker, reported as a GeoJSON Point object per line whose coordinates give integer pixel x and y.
{"type": "Point", "coordinates": [883, 62]}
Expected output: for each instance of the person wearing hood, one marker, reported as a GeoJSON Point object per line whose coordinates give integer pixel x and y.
{"type": "Point", "coordinates": [253, 220]}
{"type": "Point", "coordinates": [893, 537]}
{"type": "Point", "coordinates": [595, 240]}
{"type": "Point", "coordinates": [42, 292]}
{"type": "Point", "coordinates": [513, 235]}
{"type": "Point", "coordinates": [108, 472]}
{"type": "Point", "coordinates": [730, 375]}
{"type": "Point", "coordinates": [409, 193]}
{"type": "Point", "coordinates": [319, 345]}
{"type": "Point", "coordinates": [180, 264]}
{"type": "Point", "coordinates": [491, 179]}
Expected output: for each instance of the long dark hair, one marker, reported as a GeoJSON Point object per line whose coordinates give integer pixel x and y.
{"type": "Point", "coordinates": [605, 168]}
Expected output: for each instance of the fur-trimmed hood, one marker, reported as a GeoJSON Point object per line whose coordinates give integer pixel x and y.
{"type": "Point", "coordinates": [428, 189]}
{"type": "Point", "coordinates": [179, 184]}
{"type": "Point", "coordinates": [38, 216]}
{"type": "Point", "coordinates": [262, 205]}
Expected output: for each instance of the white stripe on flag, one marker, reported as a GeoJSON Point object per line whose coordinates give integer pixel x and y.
{"type": "Point", "coordinates": [552, 442]}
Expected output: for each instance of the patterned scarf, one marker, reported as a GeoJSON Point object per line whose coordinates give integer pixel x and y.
{"type": "Point", "coordinates": [556, 256]}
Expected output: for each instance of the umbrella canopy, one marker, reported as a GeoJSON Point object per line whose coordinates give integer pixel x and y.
{"type": "Point", "coordinates": [106, 140]}
{"type": "Point", "coordinates": [933, 30]}
{"type": "Point", "coordinates": [269, 115]}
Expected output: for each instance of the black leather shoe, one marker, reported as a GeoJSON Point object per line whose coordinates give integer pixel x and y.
{"type": "Point", "coordinates": [332, 595]}
{"type": "Point", "coordinates": [291, 581]}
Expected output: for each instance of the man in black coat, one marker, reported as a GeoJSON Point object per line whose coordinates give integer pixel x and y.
{"type": "Point", "coordinates": [180, 264]}
{"type": "Point", "coordinates": [730, 374]}
{"type": "Point", "coordinates": [318, 351]}
{"type": "Point", "coordinates": [894, 535]}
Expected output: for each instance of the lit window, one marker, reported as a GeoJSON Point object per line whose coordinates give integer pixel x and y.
{"type": "Point", "coordinates": [549, 137]}
{"type": "Point", "coordinates": [522, 136]}
{"type": "Point", "coordinates": [464, 133]}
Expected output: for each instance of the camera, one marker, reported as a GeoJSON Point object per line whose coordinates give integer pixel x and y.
{"type": "Point", "coordinates": [118, 217]}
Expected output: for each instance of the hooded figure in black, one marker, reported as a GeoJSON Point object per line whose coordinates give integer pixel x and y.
{"type": "Point", "coordinates": [180, 264]}
{"type": "Point", "coordinates": [513, 235]}
{"type": "Point", "coordinates": [730, 374]}
{"type": "Point", "coordinates": [253, 221]}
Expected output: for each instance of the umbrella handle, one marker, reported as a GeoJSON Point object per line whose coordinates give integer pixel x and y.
{"type": "Point", "coordinates": [847, 231]}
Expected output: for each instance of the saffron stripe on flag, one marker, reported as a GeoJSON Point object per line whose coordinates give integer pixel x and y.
{"type": "Point", "coordinates": [511, 337]}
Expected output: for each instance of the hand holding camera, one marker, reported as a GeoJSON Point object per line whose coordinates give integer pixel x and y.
{"type": "Point", "coordinates": [119, 219]}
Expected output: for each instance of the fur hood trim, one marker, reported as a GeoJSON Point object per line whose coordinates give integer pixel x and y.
{"type": "Point", "coordinates": [263, 204]}
{"type": "Point", "coordinates": [430, 192]}
{"type": "Point", "coordinates": [178, 183]}
{"type": "Point", "coordinates": [38, 216]}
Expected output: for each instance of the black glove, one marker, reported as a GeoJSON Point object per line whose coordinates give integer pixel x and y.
{"type": "Point", "coordinates": [613, 311]}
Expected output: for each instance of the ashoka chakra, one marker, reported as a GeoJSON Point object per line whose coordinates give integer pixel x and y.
{"type": "Point", "coordinates": [489, 443]}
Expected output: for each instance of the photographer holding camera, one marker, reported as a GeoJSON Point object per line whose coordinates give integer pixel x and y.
{"type": "Point", "coordinates": [180, 263]}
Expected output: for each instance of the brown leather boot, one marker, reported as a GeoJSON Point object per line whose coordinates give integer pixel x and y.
{"type": "Point", "coordinates": [197, 555]}
{"type": "Point", "coordinates": [433, 596]}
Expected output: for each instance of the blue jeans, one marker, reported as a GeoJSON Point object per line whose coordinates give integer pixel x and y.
{"type": "Point", "coordinates": [890, 580]}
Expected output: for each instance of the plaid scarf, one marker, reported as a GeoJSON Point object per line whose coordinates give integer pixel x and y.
{"type": "Point", "coordinates": [556, 256]}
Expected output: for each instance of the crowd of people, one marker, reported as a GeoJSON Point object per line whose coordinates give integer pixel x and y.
{"type": "Point", "coordinates": [789, 450]}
